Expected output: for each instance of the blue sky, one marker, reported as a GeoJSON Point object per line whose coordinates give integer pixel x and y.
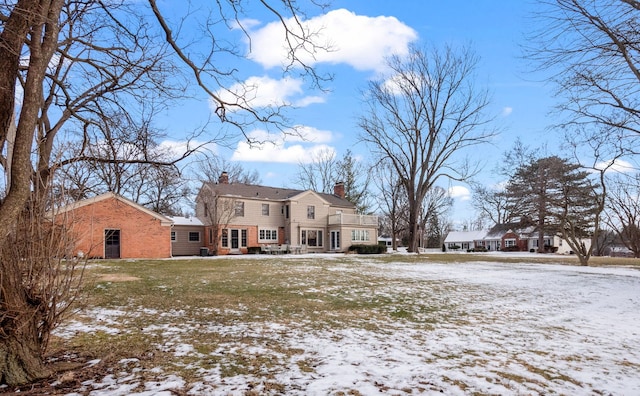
{"type": "Point", "coordinates": [362, 33]}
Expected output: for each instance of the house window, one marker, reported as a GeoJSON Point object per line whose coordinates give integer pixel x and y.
{"type": "Point", "coordinates": [243, 238]}
{"type": "Point", "coordinates": [311, 238]}
{"type": "Point", "coordinates": [239, 209]}
{"type": "Point", "coordinates": [359, 235]}
{"type": "Point", "coordinates": [225, 238]}
{"type": "Point", "coordinates": [210, 236]}
{"type": "Point", "coordinates": [509, 242]}
{"type": "Point", "coordinates": [194, 236]}
{"type": "Point", "coordinates": [268, 235]}
{"type": "Point", "coordinates": [173, 236]}
{"type": "Point", "coordinates": [286, 211]}
{"type": "Point", "coordinates": [265, 209]}
{"type": "Point", "coordinates": [206, 209]}
{"type": "Point", "coordinates": [311, 212]}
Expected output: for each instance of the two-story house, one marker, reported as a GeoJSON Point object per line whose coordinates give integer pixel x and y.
{"type": "Point", "coordinates": [240, 216]}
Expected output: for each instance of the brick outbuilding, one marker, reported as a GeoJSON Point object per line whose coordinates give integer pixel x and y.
{"type": "Point", "coordinates": [111, 226]}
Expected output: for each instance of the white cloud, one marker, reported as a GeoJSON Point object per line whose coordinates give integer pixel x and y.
{"type": "Point", "coordinates": [357, 40]}
{"type": "Point", "coordinates": [460, 192]}
{"type": "Point", "coordinates": [176, 149]}
{"type": "Point", "coordinates": [618, 165]}
{"type": "Point", "coordinates": [276, 148]}
{"type": "Point", "coordinates": [506, 111]}
{"type": "Point", "coordinates": [277, 153]}
{"type": "Point", "coordinates": [265, 91]}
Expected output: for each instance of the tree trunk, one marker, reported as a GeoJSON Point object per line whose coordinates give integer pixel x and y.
{"type": "Point", "coordinates": [20, 357]}
{"type": "Point", "coordinates": [413, 232]}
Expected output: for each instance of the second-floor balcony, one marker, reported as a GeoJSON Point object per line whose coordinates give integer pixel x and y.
{"type": "Point", "coordinates": [353, 219]}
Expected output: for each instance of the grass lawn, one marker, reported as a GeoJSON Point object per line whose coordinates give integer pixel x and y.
{"type": "Point", "coordinates": [343, 324]}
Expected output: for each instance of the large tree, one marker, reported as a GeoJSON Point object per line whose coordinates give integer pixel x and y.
{"type": "Point", "coordinates": [84, 62]}
{"type": "Point", "coordinates": [559, 198]}
{"type": "Point", "coordinates": [422, 116]}
{"type": "Point", "coordinates": [590, 49]}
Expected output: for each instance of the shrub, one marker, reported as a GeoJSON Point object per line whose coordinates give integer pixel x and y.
{"type": "Point", "coordinates": [368, 249]}
{"type": "Point", "coordinates": [254, 250]}
{"type": "Point", "coordinates": [511, 249]}
{"type": "Point", "coordinates": [477, 249]}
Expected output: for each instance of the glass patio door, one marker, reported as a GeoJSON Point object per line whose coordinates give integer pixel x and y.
{"type": "Point", "coordinates": [335, 240]}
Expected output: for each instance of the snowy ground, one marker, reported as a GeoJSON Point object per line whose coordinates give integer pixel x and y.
{"type": "Point", "coordinates": [512, 329]}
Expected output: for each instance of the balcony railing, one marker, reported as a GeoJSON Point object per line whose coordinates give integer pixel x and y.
{"type": "Point", "coordinates": [353, 219]}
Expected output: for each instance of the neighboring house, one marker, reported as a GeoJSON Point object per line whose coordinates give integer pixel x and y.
{"type": "Point", "coordinates": [510, 237]}
{"type": "Point", "coordinates": [464, 240]}
{"type": "Point", "coordinates": [241, 216]}
{"type": "Point", "coordinates": [187, 236]}
{"type": "Point", "coordinates": [388, 241]}
{"type": "Point", "coordinates": [110, 226]}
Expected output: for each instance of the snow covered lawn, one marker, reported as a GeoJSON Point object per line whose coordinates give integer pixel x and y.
{"type": "Point", "coordinates": [355, 325]}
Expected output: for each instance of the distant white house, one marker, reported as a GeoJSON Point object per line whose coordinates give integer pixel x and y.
{"type": "Point", "coordinates": [464, 240]}
{"type": "Point", "coordinates": [387, 241]}
{"type": "Point", "coordinates": [508, 236]}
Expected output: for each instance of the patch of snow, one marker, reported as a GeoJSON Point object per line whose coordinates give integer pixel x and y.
{"type": "Point", "coordinates": [499, 329]}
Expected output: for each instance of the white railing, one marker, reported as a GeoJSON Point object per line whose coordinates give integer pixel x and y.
{"type": "Point", "coordinates": [353, 219]}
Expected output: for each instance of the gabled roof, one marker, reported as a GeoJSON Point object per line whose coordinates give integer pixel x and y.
{"type": "Point", "coordinates": [465, 236]}
{"type": "Point", "coordinates": [252, 191]}
{"type": "Point", "coordinates": [109, 195]}
{"type": "Point", "coordinates": [522, 229]}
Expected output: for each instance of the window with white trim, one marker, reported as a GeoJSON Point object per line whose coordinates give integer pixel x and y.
{"type": "Point", "coordinates": [509, 242]}
{"type": "Point", "coordinates": [359, 235]}
{"type": "Point", "coordinates": [194, 236]}
{"type": "Point", "coordinates": [173, 236]}
{"type": "Point", "coordinates": [268, 235]}
{"type": "Point", "coordinates": [265, 209]}
{"type": "Point", "coordinates": [311, 237]}
{"type": "Point", "coordinates": [225, 238]}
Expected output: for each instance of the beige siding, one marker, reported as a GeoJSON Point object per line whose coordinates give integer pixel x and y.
{"type": "Point", "coordinates": [182, 246]}
{"type": "Point", "coordinates": [253, 214]}
{"type": "Point", "coordinates": [289, 228]}
{"type": "Point", "coordinates": [300, 221]}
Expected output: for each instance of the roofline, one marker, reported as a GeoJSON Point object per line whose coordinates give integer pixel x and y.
{"type": "Point", "coordinates": [164, 221]}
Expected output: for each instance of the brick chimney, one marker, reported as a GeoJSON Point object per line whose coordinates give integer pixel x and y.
{"type": "Point", "coordinates": [338, 189]}
{"type": "Point", "coordinates": [224, 178]}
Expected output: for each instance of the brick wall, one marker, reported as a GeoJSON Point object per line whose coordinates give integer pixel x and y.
{"type": "Point", "coordinates": [141, 235]}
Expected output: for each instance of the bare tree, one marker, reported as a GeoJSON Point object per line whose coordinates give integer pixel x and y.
{"type": "Point", "coordinates": [319, 173]}
{"type": "Point", "coordinates": [422, 117]}
{"type": "Point", "coordinates": [210, 166]}
{"type": "Point", "coordinates": [325, 170]}
{"type": "Point", "coordinates": [492, 204]}
{"type": "Point", "coordinates": [590, 49]}
{"type": "Point", "coordinates": [356, 178]}
{"type": "Point", "coordinates": [218, 212]}
{"type": "Point", "coordinates": [623, 211]}
{"type": "Point", "coordinates": [120, 63]}
{"type": "Point", "coordinates": [434, 223]}
{"type": "Point", "coordinates": [41, 283]}
{"type": "Point", "coordinates": [392, 202]}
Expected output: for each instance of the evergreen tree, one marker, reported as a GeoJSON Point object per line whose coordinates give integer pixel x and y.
{"type": "Point", "coordinates": [559, 198]}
